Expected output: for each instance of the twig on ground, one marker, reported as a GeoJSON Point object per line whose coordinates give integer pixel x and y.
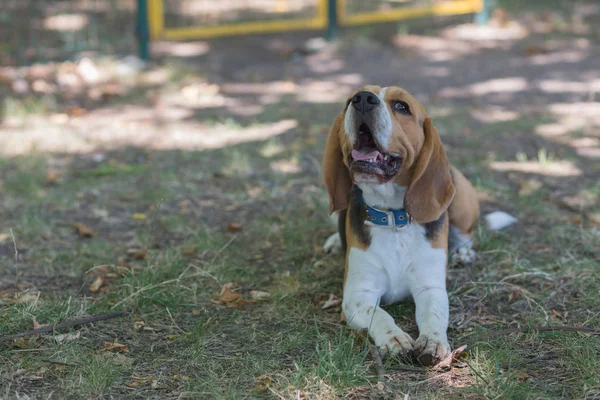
{"type": "Point", "coordinates": [539, 329]}
{"type": "Point", "coordinates": [545, 275]}
{"type": "Point", "coordinates": [145, 288]}
{"type": "Point", "coordinates": [58, 363]}
{"type": "Point", "coordinates": [154, 218]}
{"type": "Point", "coordinates": [222, 249]}
{"type": "Point", "coordinates": [378, 362]}
{"type": "Point", "coordinates": [408, 368]}
{"type": "Point", "coordinates": [16, 260]}
{"type": "Point", "coordinates": [548, 356]}
{"type": "Point", "coordinates": [64, 325]}
{"type": "Point", "coordinates": [15, 245]}
{"type": "Point", "coordinates": [175, 323]}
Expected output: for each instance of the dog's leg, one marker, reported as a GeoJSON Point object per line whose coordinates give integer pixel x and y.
{"type": "Point", "coordinates": [461, 246]}
{"type": "Point", "coordinates": [428, 287]}
{"type": "Point", "coordinates": [364, 287]}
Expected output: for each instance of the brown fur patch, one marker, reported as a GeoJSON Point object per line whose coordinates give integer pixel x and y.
{"type": "Point", "coordinates": [464, 210]}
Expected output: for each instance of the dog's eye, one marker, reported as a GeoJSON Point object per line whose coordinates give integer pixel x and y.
{"type": "Point", "coordinates": [401, 107]}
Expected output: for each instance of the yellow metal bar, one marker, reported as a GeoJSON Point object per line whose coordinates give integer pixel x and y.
{"type": "Point", "coordinates": [241, 29]}
{"type": "Point", "coordinates": [341, 10]}
{"type": "Point", "coordinates": [322, 8]}
{"type": "Point", "coordinates": [158, 30]}
{"type": "Point", "coordinates": [448, 8]}
{"type": "Point", "coordinates": [156, 18]}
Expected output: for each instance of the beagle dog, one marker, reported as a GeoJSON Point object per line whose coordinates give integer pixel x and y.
{"type": "Point", "coordinates": [401, 207]}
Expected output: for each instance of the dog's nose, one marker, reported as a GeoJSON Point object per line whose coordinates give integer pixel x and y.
{"type": "Point", "coordinates": [365, 101]}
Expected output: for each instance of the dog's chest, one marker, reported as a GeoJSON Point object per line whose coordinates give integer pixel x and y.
{"type": "Point", "coordinates": [399, 253]}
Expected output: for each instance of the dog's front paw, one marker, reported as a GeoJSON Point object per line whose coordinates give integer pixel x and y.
{"type": "Point", "coordinates": [393, 341]}
{"type": "Point", "coordinates": [464, 255]}
{"type": "Point", "coordinates": [333, 244]}
{"type": "Point", "coordinates": [430, 350]}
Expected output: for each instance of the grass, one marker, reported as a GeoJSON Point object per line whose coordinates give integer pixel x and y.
{"type": "Point", "coordinates": [173, 227]}
{"type": "Point", "coordinates": [188, 346]}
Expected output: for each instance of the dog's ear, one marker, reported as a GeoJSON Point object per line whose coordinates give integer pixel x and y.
{"type": "Point", "coordinates": [335, 172]}
{"type": "Point", "coordinates": [430, 190]}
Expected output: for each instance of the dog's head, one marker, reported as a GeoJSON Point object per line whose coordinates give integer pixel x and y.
{"type": "Point", "coordinates": [384, 135]}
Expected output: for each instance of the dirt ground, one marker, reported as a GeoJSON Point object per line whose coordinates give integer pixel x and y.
{"type": "Point", "coordinates": [188, 194]}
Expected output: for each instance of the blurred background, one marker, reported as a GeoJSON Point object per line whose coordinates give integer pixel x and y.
{"type": "Point", "coordinates": [154, 151]}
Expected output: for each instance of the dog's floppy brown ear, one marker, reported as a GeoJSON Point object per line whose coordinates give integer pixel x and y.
{"type": "Point", "coordinates": [430, 190]}
{"type": "Point", "coordinates": [335, 173]}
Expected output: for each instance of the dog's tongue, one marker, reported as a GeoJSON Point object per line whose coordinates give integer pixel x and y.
{"type": "Point", "coordinates": [366, 154]}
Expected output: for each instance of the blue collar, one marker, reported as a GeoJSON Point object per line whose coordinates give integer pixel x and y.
{"type": "Point", "coordinates": [390, 218]}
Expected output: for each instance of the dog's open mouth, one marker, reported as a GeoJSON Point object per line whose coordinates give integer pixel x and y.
{"type": "Point", "coordinates": [367, 157]}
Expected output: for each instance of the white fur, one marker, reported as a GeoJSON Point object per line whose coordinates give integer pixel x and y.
{"type": "Point", "coordinates": [349, 126]}
{"type": "Point", "coordinates": [333, 244]}
{"type": "Point", "coordinates": [460, 246]}
{"type": "Point", "coordinates": [397, 265]}
{"type": "Point", "coordinates": [498, 220]}
{"type": "Point", "coordinates": [385, 195]}
{"type": "Point", "coordinates": [382, 128]}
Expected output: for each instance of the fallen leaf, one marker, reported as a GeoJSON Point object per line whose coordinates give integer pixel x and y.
{"type": "Point", "coordinates": [60, 368]}
{"type": "Point", "coordinates": [332, 301]}
{"type": "Point", "coordinates": [21, 343]}
{"type": "Point", "coordinates": [76, 111]}
{"type": "Point", "coordinates": [556, 314]}
{"type": "Point", "coordinates": [138, 325]}
{"type": "Point", "coordinates": [231, 298]}
{"type": "Point", "coordinates": [116, 347]}
{"type": "Point", "coordinates": [27, 297]}
{"type": "Point", "coordinates": [234, 228]}
{"type": "Point", "coordinates": [37, 325]}
{"type": "Point", "coordinates": [98, 283]}
{"type": "Point", "coordinates": [154, 384]}
{"type": "Point", "coordinates": [455, 357]}
{"type": "Point", "coordinates": [39, 374]}
{"type": "Point", "coordinates": [263, 382]}
{"type": "Point", "coordinates": [259, 295]}
{"type": "Point", "coordinates": [138, 254]}
{"type": "Point", "coordinates": [522, 375]}
{"type": "Point", "coordinates": [67, 337]}
{"type": "Point", "coordinates": [120, 359]}
{"type": "Point", "coordinates": [534, 50]}
{"type": "Point", "coordinates": [231, 207]}
{"type": "Point", "coordinates": [592, 217]}
{"type": "Point", "coordinates": [172, 337]}
{"type": "Point", "coordinates": [52, 177]}
{"type": "Point", "coordinates": [19, 372]}
{"type": "Point", "coordinates": [581, 201]}
{"type": "Point", "coordinates": [513, 295]}
{"type": "Point", "coordinates": [529, 186]}
{"type": "Point", "coordinates": [139, 217]}
{"type": "Point", "coordinates": [195, 312]}
{"type": "Point", "coordinates": [190, 251]}
{"type": "Point", "coordinates": [227, 294]}
{"type": "Point", "coordinates": [84, 231]}
{"type": "Point", "coordinates": [4, 237]}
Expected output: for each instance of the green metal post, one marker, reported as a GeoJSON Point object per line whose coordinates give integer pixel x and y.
{"type": "Point", "coordinates": [332, 21]}
{"type": "Point", "coordinates": [482, 17]}
{"type": "Point", "coordinates": [143, 32]}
